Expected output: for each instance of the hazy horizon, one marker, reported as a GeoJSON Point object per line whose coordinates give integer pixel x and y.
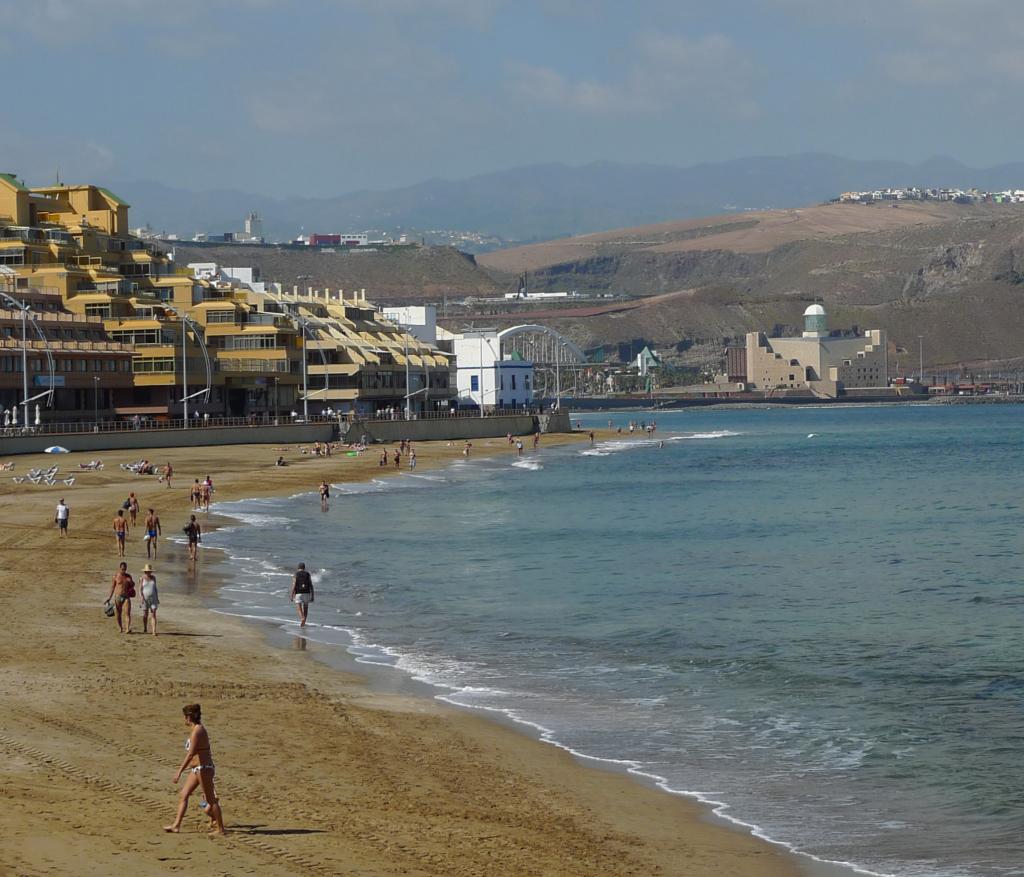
{"type": "Point", "coordinates": [337, 96]}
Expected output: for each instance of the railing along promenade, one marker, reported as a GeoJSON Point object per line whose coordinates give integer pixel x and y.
{"type": "Point", "coordinates": [80, 427]}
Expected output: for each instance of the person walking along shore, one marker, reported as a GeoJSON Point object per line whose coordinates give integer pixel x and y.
{"type": "Point", "coordinates": [122, 589]}
{"type": "Point", "coordinates": [301, 593]}
{"type": "Point", "coordinates": [199, 763]}
{"type": "Point", "coordinates": [152, 531]}
{"type": "Point", "coordinates": [120, 531]}
{"type": "Point", "coordinates": [195, 536]}
{"type": "Point", "coordinates": [150, 598]}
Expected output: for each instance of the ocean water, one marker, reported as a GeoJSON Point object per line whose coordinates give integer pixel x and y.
{"type": "Point", "coordinates": [811, 618]}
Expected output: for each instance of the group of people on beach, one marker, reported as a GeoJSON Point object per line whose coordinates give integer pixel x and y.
{"type": "Point", "coordinates": [201, 493]}
{"type": "Point", "coordinates": [123, 591]}
{"type": "Point", "coordinates": [405, 449]}
{"type": "Point", "coordinates": [122, 525]}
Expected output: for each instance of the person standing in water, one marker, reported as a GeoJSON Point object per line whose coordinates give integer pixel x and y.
{"type": "Point", "coordinates": [301, 593]}
{"type": "Point", "coordinates": [199, 763]}
{"type": "Point", "coordinates": [325, 494]}
{"type": "Point", "coordinates": [195, 535]}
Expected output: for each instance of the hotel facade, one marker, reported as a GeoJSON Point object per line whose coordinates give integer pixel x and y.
{"type": "Point", "coordinates": [161, 321]}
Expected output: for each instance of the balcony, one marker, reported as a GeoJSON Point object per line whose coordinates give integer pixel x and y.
{"type": "Point", "coordinates": [279, 366]}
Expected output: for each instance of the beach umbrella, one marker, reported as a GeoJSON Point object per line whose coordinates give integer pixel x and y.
{"type": "Point", "coordinates": [14, 417]}
{"type": "Point", "coordinates": [56, 449]}
{"type": "Point", "coordinates": [7, 418]}
{"type": "Point", "coordinates": [38, 419]}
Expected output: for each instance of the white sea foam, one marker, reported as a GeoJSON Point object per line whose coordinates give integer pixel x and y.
{"type": "Point", "coordinates": [531, 465]}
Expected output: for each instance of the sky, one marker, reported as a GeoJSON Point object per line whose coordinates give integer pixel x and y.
{"type": "Point", "coordinates": [323, 97]}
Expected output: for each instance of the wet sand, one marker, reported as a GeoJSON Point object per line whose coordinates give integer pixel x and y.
{"type": "Point", "coordinates": [318, 772]}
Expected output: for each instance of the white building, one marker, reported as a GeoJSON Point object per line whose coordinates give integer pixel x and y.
{"type": "Point", "coordinates": [420, 321]}
{"type": "Point", "coordinates": [817, 360]}
{"type": "Point", "coordinates": [485, 378]}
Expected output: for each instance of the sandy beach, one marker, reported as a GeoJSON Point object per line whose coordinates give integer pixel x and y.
{"type": "Point", "coordinates": [317, 772]}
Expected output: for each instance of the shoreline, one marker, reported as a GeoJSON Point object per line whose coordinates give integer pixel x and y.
{"type": "Point", "coordinates": [585, 828]}
{"type": "Point", "coordinates": [391, 678]}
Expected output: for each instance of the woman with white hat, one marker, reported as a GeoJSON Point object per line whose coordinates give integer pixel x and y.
{"type": "Point", "coordinates": [150, 598]}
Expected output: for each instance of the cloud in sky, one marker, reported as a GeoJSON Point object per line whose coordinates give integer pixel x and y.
{"type": "Point", "coordinates": [334, 95]}
{"type": "Point", "coordinates": [666, 71]}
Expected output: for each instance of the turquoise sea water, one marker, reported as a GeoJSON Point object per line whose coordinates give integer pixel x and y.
{"type": "Point", "coordinates": [811, 617]}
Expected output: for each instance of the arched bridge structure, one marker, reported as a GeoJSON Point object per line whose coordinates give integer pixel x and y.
{"type": "Point", "coordinates": [557, 361]}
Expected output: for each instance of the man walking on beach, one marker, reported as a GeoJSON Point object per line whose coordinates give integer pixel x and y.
{"type": "Point", "coordinates": [301, 593]}
{"type": "Point", "coordinates": [195, 534]}
{"type": "Point", "coordinates": [120, 531]}
{"type": "Point", "coordinates": [152, 531]}
{"type": "Point", "coordinates": [122, 589]}
{"type": "Point", "coordinates": [61, 518]}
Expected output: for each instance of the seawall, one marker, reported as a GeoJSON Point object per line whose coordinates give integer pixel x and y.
{"type": "Point", "coordinates": [439, 429]}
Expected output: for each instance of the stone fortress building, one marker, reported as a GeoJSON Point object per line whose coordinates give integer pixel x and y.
{"type": "Point", "coordinates": [818, 360]}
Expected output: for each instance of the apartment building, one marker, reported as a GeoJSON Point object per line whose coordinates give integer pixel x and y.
{"type": "Point", "coordinates": [71, 355]}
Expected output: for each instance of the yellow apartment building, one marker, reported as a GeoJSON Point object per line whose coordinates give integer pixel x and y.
{"type": "Point", "coordinates": [73, 241]}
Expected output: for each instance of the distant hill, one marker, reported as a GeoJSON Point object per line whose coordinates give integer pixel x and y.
{"type": "Point", "coordinates": [540, 202]}
{"type": "Point", "coordinates": [953, 274]}
{"type": "Point", "coordinates": [395, 275]}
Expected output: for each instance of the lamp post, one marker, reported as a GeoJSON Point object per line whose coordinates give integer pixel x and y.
{"type": "Point", "coordinates": [305, 378]}
{"type": "Point", "coordinates": [24, 361]}
{"type": "Point", "coordinates": [920, 358]}
{"type": "Point", "coordinates": [277, 397]}
{"type": "Point", "coordinates": [408, 389]}
{"type": "Point", "coordinates": [96, 399]}
{"type": "Point", "coordinates": [184, 372]}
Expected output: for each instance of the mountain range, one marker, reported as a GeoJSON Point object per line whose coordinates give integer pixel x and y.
{"type": "Point", "coordinates": [545, 201]}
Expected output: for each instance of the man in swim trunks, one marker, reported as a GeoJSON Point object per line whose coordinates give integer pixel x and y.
{"type": "Point", "coordinates": [122, 589]}
{"type": "Point", "coordinates": [152, 531]}
{"type": "Point", "coordinates": [301, 593]}
{"type": "Point", "coordinates": [120, 531]}
{"type": "Point", "coordinates": [325, 493]}
{"type": "Point", "coordinates": [195, 534]}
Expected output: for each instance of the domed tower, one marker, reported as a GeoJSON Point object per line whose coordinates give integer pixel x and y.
{"type": "Point", "coordinates": [815, 322]}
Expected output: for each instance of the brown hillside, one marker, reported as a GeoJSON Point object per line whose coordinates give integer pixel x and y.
{"type": "Point", "coordinates": [739, 233]}
{"type": "Point", "coordinates": [957, 280]}
{"type": "Point", "coordinates": [393, 275]}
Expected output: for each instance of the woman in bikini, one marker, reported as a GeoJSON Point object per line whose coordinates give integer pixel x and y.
{"type": "Point", "coordinates": [199, 764]}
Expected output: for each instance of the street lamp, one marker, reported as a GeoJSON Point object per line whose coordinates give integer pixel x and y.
{"type": "Point", "coordinates": [920, 358]}
{"type": "Point", "coordinates": [96, 399]}
{"type": "Point", "coordinates": [187, 321]}
{"type": "Point", "coordinates": [277, 397]}
{"type": "Point", "coordinates": [26, 317]}
{"type": "Point", "coordinates": [405, 341]}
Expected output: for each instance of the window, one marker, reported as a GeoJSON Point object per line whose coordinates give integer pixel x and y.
{"type": "Point", "coordinates": [513, 382]}
{"type": "Point", "coordinates": [12, 257]}
{"type": "Point", "coordinates": [474, 384]}
{"type": "Point", "coordinates": [160, 364]}
{"type": "Point", "coordinates": [250, 342]}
